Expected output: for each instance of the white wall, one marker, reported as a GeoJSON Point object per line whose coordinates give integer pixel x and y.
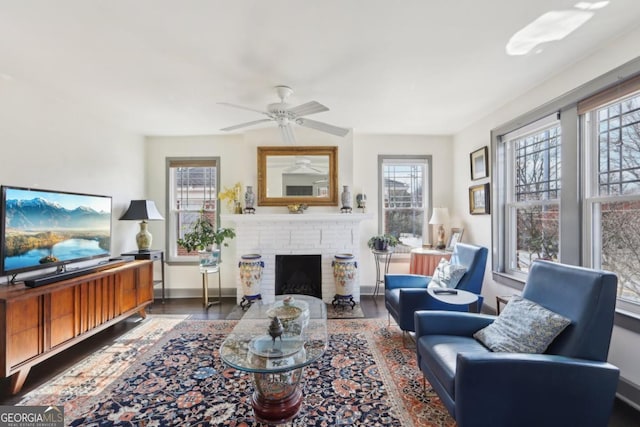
{"type": "Point", "coordinates": [478, 228]}
{"type": "Point", "coordinates": [365, 171]}
{"type": "Point", "coordinates": [238, 163]}
{"type": "Point", "coordinates": [357, 167]}
{"type": "Point", "coordinates": [48, 143]}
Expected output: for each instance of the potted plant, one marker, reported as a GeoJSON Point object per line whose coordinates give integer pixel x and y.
{"type": "Point", "coordinates": [207, 240]}
{"type": "Point", "coordinates": [382, 242]}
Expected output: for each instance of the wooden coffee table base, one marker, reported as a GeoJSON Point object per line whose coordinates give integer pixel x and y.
{"type": "Point", "coordinates": [276, 411]}
{"type": "Point", "coordinates": [277, 397]}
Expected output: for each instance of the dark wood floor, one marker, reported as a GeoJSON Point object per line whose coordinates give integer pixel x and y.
{"type": "Point", "coordinates": [372, 307]}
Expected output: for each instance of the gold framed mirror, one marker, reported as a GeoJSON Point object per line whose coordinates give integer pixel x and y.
{"type": "Point", "coordinates": [295, 175]}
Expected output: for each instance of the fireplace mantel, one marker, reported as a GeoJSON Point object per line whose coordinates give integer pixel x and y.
{"type": "Point", "coordinates": [326, 234]}
{"type": "Point", "coordinates": [253, 218]}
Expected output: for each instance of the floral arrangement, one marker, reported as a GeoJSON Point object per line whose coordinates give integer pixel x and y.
{"type": "Point", "coordinates": [231, 196]}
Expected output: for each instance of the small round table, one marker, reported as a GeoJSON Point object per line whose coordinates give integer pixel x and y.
{"type": "Point", "coordinates": [459, 298]}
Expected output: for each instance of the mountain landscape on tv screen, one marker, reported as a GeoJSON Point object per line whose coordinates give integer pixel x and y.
{"type": "Point", "coordinates": [40, 214]}
{"type": "Point", "coordinates": [39, 231]}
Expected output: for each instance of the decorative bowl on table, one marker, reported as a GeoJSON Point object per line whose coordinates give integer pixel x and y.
{"type": "Point", "coordinates": [291, 316]}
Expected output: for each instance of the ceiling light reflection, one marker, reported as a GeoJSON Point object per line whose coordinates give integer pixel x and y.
{"type": "Point", "coordinates": [551, 26]}
{"type": "Point", "coordinates": [585, 5]}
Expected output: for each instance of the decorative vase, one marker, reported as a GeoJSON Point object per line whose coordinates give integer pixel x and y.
{"type": "Point", "coordinates": [143, 238]}
{"type": "Point", "coordinates": [249, 198]}
{"type": "Point", "coordinates": [209, 258]}
{"type": "Point", "coordinates": [346, 197]}
{"type": "Point", "coordinates": [251, 267]}
{"type": "Point", "coordinates": [344, 273]}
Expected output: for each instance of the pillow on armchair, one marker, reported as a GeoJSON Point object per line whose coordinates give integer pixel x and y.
{"type": "Point", "coordinates": [447, 275]}
{"type": "Point", "coordinates": [522, 327]}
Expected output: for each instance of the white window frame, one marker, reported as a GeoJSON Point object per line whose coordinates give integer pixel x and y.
{"type": "Point", "coordinates": [423, 160]}
{"type": "Point", "coordinates": [592, 197]}
{"type": "Point", "coordinates": [172, 214]}
{"type": "Point", "coordinates": [511, 204]}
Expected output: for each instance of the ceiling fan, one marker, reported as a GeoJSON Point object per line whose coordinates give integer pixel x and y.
{"type": "Point", "coordinates": [283, 114]}
{"type": "Point", "coordinates": [302, 165]}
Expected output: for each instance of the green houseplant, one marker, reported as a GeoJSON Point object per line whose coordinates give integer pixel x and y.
{"type": "Point", "coordinates": [206, 239]}
{"type": "Point", "coordinates": [382, 242]}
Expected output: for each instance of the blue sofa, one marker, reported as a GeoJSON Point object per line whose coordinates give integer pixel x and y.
{"type": "Point", "coordinates": [406, 293]}
{"type": "Point", "coordinates": [571, 384]}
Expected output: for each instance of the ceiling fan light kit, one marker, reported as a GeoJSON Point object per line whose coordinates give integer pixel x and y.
{"type": "Point", "coordinates": [283, 114]}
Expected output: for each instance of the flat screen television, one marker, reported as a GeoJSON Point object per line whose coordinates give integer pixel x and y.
{"type": "Point", "coordinates": [44, 228]}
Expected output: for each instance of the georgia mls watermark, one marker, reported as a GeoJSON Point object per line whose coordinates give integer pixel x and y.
{"type": "Point", "coordinates": [31, 416]}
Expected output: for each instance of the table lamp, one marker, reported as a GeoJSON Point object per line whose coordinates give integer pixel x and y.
{"type": "Point", "coordinates": [144, 210]}
{"type": "Point", "coordinates": [439, 217]}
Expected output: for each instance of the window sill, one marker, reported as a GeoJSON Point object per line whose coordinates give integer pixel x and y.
{"type": "Point", "coordinates": [400, 257]}
{"type": "Point", "coordinates": [627, 320]}
{"type": "Point", "coordinates": [508, 280]}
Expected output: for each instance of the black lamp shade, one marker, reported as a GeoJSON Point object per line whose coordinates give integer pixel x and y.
{"type": "Point", "coordinates": [142, 210]}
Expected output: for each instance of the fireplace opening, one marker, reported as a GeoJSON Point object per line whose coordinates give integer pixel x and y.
{"type": "Point", "coordinates": [299, 274]}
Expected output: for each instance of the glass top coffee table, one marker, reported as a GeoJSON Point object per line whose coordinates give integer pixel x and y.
{"type": "Point", "coordinates": [276, 352]}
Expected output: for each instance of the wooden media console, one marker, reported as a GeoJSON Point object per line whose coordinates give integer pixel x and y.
{"type": "Point", "coordinates": [37, 323]}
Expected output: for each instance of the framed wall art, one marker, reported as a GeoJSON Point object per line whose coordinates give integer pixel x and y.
{"type": "Point", "coordinates": [479, 202]}
{"type": "Point", "coordinates": [456, 236]}
{"type": "Point", "coordinates": [479, 165]}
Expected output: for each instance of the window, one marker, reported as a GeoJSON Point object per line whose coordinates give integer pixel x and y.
{"type": "Point", "coordinates": [568, 186]}
{"type": "Point", "coordinates": [192, 187]}
{"type": "Point", "coordinates": [404, 197]}
{"type": "Point", "coordinates": [532, 197]}
{"type": "Point", "coordinates": [612, 206]}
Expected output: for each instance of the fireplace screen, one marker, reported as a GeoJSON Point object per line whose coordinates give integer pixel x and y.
{"type": "Point", "coordinates": [299, 274]}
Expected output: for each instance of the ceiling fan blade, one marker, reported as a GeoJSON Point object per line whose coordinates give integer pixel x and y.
{"type": "Point", "coordinates": [324, 127]}
{"type": "Point", "coordinates": [287, 134]}
{"type": "Point", "coordinates": [310, 107]}
{"type": "Point", "coordinates": [243, 107]}
{"type": "Point", "coordinates": [241, 125]}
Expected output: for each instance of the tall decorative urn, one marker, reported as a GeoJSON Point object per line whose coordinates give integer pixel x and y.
{"type": "Point", "coordinates": [344, 274]}
{"type": "Point", "coordinates": [251, 267]}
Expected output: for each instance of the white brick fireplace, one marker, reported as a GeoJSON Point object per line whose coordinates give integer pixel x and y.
{"type": "Point", "coordinates": [325, 234]}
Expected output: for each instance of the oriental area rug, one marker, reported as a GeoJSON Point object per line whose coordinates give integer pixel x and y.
{"type": "Point", "coordinates": [167, 372]}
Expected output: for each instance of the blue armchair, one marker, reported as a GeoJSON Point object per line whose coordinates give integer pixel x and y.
{"type": "Point", "coordinates": [406, 293]}
{"type": "Point", "coordinates": [571, 384]}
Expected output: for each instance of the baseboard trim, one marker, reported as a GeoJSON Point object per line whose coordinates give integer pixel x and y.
{"type": "Point", "coordinates": [192, 293]}
{"type": "Point", "coordinates": [228, 292]}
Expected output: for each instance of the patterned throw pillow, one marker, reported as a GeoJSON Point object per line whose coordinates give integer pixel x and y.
{"type": "Point", "coordinates": [522, 327]}
{"type": "Point", "coordinates": [447, 275]}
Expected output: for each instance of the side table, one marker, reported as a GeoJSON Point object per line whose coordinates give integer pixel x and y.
{"type": "Point", "coordinates": [154, 255]}
{"type": "Point", "coordinates": [502, 299]}
{"type": "Point", "coordinates": [461, 297]}
{"type": "Point", "coordinates": [381, 258]}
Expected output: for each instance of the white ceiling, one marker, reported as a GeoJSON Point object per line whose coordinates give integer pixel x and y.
{"type": "Point", "coordinates": [159, 67]}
